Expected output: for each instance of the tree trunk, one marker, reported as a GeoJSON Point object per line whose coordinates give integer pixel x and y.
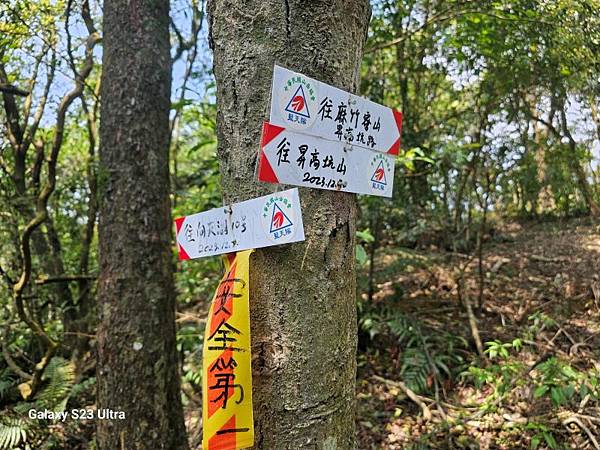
{"type": "Point", "coordinates": [595, 114]}
{"type": "Point", "coordinates": [577, 167]}
{"type": "Point", "coordinates": [137, 358]}
{"type": "Point", "coordinates": [302, 296]}
{"type": "Point", "coordinates": [545, 197]}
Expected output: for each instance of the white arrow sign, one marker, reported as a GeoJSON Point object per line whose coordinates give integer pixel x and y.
{"type": "Point", "coordinates": [289, 157]}
{"type": "Point", "coordinates": [273, 219]}
{"type": "Point", "coordinates": [312, 107]}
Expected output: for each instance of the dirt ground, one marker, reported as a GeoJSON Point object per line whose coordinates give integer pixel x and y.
{"type": "Point", "coordinates": [541, 286]}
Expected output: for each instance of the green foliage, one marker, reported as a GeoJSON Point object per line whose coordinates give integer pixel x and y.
{"type": "Point", "coordinates": [539, 321]}
{"type": "Point", "coordinates": [469, 78]}
{"type": "Point", "coordinates": [33, 52]}
{"type": "Point", "coordinates": [13, 431]}
{"type": "Point", "coordinates": [498, 349]}
{"type": "Point", "coordinates": [542, 434]}
{"type": "Point", "coordinates": [17, 431]}
{"type": "Point", "coordinates": [409, 158]}
{"type": "Point", "coordinates": [554, 379]}
{"type": "Point", "coordinates": [85, 387]}
{"type": "Point", "coordinates": [189, 342]}
{"type": "Point", "coordinates": [59, 378]}
{"type": "Point", "coordinates": [501, 377]}
{"type": "Point", "coordinates": [564, 384]}
{"type": "Point", "coordinates": [362, 238]}
{"type": "Point", "coordinates": [7, 383]}
{"type": "Point", "coordinates": [421, 445]}
{"type": "Point", "coordinates": [481, 87]}
{"type": "Point", "coordinates": [426, 357]}
{"type": "Point", "coordinates": [197, 188]}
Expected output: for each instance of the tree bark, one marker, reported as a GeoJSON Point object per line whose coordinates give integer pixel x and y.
{"type": "Point", "coordinates": [137, 358]}
{"type": "Point", "coordinates": [545, 197]}
{"type": "Point", "coordinates": [577, 167]}
{"type": "Point", "coordinates": [302, 296]}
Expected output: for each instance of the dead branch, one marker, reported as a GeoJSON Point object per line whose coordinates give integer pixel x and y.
{"type": "Point", "coordinates": [39, 112]}
{"type": "Point", "coordinates": [498, 264]}
{"type": "Point", "coordinates": [581, 425]}
{"type": "Point", "coordinates": [596, 293]}
{"type": "Point", "coordinates": [14, 131]}
{"type": "Point", "coordinates": [541, 258]}
{"type": "Point", "coordinates": [417, 399]}
{"type": "Point", "coordinates": [590, 418]}
{"type": "Point", "coordinates": [46, 279]}
{"type": "Point", "coordinates": [13, 90]}
{"type": "Point", "coordinates": [473, 326]}
{"type": "Point", "coordinates": [189, 318]}
{"type": "Point", "coordinates": [11, 362]}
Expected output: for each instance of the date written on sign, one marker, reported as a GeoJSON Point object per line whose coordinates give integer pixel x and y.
{"type": "Point", "coordinates": [289, 157]}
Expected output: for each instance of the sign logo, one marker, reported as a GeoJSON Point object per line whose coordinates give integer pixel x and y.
{"type": "Point", "coordinates": [278, 218]}
{"type": "Point", "coordinates": [297, 100]}
{"type": "Point", "coordinates": [379, 174]}
{"type": "Point", "coordinates": [379, 169]}
{"type": "Point", "coordinates": [298, 105]}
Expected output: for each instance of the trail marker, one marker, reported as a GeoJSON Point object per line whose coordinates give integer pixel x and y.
{"type": "Point", "coordinates": [226, 361]}
{"type": "Point", "coordinates": [318, 109]}
{"type": "Point", "coordinates": [290, 157]}
{"type": "Point", "coordinates": [261, 222]}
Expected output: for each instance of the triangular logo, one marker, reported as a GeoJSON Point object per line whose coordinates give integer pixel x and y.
{"type": "Point", "coordinates": [279, 220]}
{"type": "Point", "coordinates": [379, 174]}
{"type": "Point", "coordinates": [298, 104]}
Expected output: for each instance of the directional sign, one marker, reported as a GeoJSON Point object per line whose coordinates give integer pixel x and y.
{"type": "Point", "coordinates": [261, 222]}
{"type": "Point", "coordinates": [318, 109]}
{"type": "Point", "coordinates": [289, 157]}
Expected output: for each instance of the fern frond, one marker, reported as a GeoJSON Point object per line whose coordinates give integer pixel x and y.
{"type": "Point", "coordinates": [12, 432]}
{"type": "Point", "coordinates": [5, 386]}
{"type": "Point", "coordinates": [60, 376]}
{"type": "Point", "coordinates": [6, 383]}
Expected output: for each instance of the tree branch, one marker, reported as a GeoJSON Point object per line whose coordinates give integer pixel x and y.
{"type": "Point", "coordinates": [10, 89]}
{"type": "Point", "coordinates": [45, 279]}
{"type": "Point", "coordinates": [32, 83]}
{"type": "Point", "coordinates": [11, 362]}
{"type": "Point", "coordinates": [37, 117]}
{"type": "Point", "coordinates": [15, 133]}
{"type": "Point", "coordinates": [409, 393]}
{"type": "Point", "coordinates": [88, 233]}
{"type": "Point", "coordinates": [438, 18]}
{"type": "Point", "coordinates": [182, 44]}
{"type": "Point", "coordinates": [42, 211]}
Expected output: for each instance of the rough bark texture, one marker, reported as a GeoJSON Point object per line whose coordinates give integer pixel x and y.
{"type": "Point", "coordinates": [303, 304]}
{"type": "Point", "coordinates": [137, 360]}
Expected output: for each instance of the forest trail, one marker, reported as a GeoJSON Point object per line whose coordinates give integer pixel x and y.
{"type": "Point", "coordinates": [536, 388]}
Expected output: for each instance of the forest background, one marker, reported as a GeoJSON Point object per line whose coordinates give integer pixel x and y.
{"type": "Point", "coordinates": [478, 281]}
